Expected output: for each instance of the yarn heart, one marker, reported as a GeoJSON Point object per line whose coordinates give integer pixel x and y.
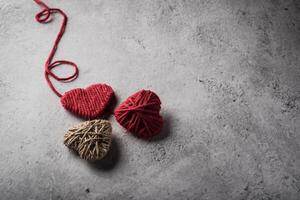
{"type": "Point", "coordinates": [88, 103]}
{"type": "Point", "coordinates": [139, 114]}
{"type": "Point", "coordinates": [90, 139]}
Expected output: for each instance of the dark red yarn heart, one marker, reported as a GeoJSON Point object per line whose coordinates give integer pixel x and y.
{"type": "Point", "coordinates": [139, 114]}
{"type": "Point", "coordinates": [90, 102]}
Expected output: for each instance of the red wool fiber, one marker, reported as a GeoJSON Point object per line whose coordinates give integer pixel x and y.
{"type": "Point", "coordinates": [89, 103]}
{"type": "Point", "coordinates": [139, 114]}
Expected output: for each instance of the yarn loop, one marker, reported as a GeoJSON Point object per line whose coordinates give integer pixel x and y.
{"type": "Point", "coordinates": [44, 17]}
{"type": "Point", "coordinates": [139, 114]}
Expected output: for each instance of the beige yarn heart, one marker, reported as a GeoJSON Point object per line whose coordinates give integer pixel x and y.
{"type": "Point", "coordinates": [90, 139]}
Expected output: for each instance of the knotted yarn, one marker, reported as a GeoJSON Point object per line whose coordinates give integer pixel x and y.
{"type": "Point", "coordinates": [90, 139]}
{"type": "Point", "coordinates": [139, 114]}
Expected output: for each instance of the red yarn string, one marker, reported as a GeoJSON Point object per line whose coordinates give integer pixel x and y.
{"type": "Point", "coordinates": [44, 17]}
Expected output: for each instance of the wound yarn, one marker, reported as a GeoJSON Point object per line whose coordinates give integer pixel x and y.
{"type": "Point", "coordinates": [139, 114]}
{"type": "Point", "coordinates": [89, 103]}
{"type": "Point", "coordinates": [90, 139]}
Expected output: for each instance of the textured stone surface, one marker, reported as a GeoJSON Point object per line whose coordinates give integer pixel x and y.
{"type": "Point", "coordinates": [227, 72]}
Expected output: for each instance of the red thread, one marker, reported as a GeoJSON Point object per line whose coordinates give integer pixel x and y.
{"type": "Point", "coordinates": [89, 103]}
{"type": "Point", "coordinates": [139, 114]}
{"type": "Point", "coordinates": [44, 17]}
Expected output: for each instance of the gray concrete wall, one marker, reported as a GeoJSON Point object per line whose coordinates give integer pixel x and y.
{"type": "Point", "coordinates": [227, 72]}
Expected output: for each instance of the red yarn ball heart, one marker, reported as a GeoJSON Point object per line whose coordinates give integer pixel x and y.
{"type": "Point", "coordinates": [139, 114]}
{"type": "Point", "coordinates": [88, 103]}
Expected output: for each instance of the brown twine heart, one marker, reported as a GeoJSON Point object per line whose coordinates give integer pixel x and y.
{"type": "Point", "coordinates": [90, 139]}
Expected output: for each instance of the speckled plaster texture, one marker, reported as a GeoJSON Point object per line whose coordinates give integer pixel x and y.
{"type": "Point", "coordinates": [228, 75]}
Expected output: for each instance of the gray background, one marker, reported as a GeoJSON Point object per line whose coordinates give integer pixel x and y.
{"type": "Point", "coordinates": [227, 72]}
